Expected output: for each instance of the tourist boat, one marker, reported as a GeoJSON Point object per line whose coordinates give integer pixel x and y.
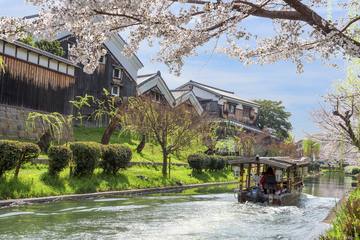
{"type": "Point", "coordinates": [287, 179]}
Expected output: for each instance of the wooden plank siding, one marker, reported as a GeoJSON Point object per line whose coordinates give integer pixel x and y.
{"type": "Point", "coordinates": [33, 86]}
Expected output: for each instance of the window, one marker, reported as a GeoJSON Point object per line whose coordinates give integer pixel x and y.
{"type": "Point", "coordinates": [115, 91]}
{"type": "Point", "coordinates": [232, 108]}
{"type": "Point", "coordinates": [102, 60]}
{"type": "Point", "coordinates": [117, 73]}
{"type": "Point", "coordinates": [156, 97]}
{"type": "Point", "coordinates": [247, 111]}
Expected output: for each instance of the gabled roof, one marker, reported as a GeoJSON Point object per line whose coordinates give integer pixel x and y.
{"type": "Point", "coordinates": [147, 82]}
{"type": "Point", "coordinates": [278, 162]}
{"type": "Point", "coordinates": [242, 125]}
{"type": "Point", "coordinates": [115, 45]}
{"type": "Point", "coordinates": [182, 96]}
{"type": "Point", "coordinates": [218, 92]}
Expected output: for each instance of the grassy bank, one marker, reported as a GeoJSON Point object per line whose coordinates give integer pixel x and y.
{"type": "Point", "coordinates": [33, 181]}
{"type": "Point", "coordinates": [151, 152]}
{"type": "Point", "coordinates": [347, 222]}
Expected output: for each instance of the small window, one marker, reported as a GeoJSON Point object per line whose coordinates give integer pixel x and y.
{"type": "Point", "coordinates": [115, 91]}
{"type": "Point", "coordinates": [232, 108]}
{"type": "Point", "coordinates": [157, 97]}
{"type": "Point", "coordinates": [102, 60]}
{"type": "Point", "coordinates": [117, 73]}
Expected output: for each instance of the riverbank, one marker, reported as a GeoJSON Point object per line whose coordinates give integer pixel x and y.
{"type": "Point", "coordinates": [34, 181]}
{"type": "Point", "coordinates": [345, 218]}
{"type": "Point", "coordinates": [134, 192]}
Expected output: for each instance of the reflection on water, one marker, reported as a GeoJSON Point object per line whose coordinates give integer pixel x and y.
{"type": "Point", "coordinates": [328, 185]}
{"type": "Point", "coordinates": [189, 216]}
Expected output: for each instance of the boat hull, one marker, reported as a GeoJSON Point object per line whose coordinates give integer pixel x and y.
{"type": "Point", "coordinates": [271, 199]}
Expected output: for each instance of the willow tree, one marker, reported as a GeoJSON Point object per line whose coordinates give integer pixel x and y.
{"type": "Point", "coordinates": [311, 148]}
{"type": "Point", "coordinates": [300, 33]}
{"type": "Point", "coordinates": [172, 128]}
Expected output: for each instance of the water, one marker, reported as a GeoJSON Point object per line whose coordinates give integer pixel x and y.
{"type": "Point", "coordinates": [193, 216]}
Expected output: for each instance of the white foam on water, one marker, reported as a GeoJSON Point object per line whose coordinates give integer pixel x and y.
{"type": "Point", "coordinates": [110, 199]}
{"type": "Point", "coordinates": [71, 209]}
{"type": "Point", "coordinates": [12, 214]}
{"type": "Point", "coordinates": [111, 208]}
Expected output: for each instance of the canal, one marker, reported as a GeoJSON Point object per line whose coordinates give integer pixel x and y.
{"type": "Point", "coordinates": [195, 214]}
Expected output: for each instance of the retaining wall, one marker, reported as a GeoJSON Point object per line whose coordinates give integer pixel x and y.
{"type": "Point", "coordinates": [12, 123]}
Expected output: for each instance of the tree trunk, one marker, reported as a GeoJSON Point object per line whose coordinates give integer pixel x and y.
{"type": "Point", "coordinates": [17, 170]}
{"type": "Point", "coordinates": [110, 129]}
{"type": "Point", "coordinates": [142, 143]}
{"type": "Point", "coordinates": [165, 163]}
{"type": "Point", "coordinates": [45, 140]}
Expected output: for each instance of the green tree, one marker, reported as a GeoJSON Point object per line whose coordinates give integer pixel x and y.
{"type": "Point", "coordinates": [311, 148]}
{"type": "Point", "coordinates": [53, 47]}
{"type": "Point", "coordinates": [2, 65]}
{"type": "Point", "coordinates": [272, 114]}
{"type": "Point", "coordinates": [107, 106]}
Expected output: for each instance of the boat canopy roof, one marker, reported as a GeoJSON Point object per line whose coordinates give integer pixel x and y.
{"type": "Point", "coordinates": [278, 162]}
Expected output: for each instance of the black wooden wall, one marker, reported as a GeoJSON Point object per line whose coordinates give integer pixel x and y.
{"type": "Point", "coordinates": [26, 85]}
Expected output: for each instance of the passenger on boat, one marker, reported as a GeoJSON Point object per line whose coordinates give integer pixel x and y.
{"type": "Point", "coordinates": [268, 181]}
{"type": "Point", "coordinates": [262, 180]}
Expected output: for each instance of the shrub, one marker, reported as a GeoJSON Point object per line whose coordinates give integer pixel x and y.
{"type": "Point", "coordinates": [10, 152]}
{"type": "Point", "coordinates": [115, 157]}
{"type": "Point", "coordinates": [29, 151]}
{"type": "Point", "coordinates": [314, 167]}
{"type": "Point", "coordinates": [201, 162]}
{"type": "Point", "coordinates": [221, 163]}
{"type": "Point", "coordinates": [211, 162]}
{"type": "Point", "coordinates": [196, 161]}
{"type": "Point", "coordinates": [347, 222]}
{"type": "Point", "coordinates": [59, 158]}
{"type": "Point", "coordinates": [86, 156]}
{"type": "Point", "coordinates": [355, 171]}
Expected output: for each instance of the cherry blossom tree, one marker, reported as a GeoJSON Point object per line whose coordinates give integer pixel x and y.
{"type": "Point", "coordinates": [180, 27]}
{"type": "Point", "coordinates": [339, 118]}
{"type": "Point", "coordinates": [173, 129]}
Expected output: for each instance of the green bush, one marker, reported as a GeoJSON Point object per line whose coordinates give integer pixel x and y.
{"type": "Point", "coordinates": [347, 222]}
{"type": "Point", "coordinates": [201, 162]}
{"type": "Point", "coordinates": [196, 161]}
{"type": "Point", "coordinates": [29, 151]}
{"type": "Point", "coordinates": [86, 156]}
{"type": "Point", "coordinates": [221, 163]}
{"type": "Point", "coordinates": [355, 171]}
{"type": "Point", "coordinates": [10, 153]}
{"type": "Point", "coordinates": [314, 167]}
{"type": "Point", "coordinates": [211, 163]}
{"type": "Point", "coordinates": [59, 158]}
{"type": "Point", "coordinates": [115, 157]}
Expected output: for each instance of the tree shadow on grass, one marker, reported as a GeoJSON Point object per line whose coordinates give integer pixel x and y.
{"type": "Point", "coordinates": [53, 181]}
{"type": "Point", "coordinates": [202, 176]}
{"type": "Point", "coordinates": [219, 175]}
{"type": "Point", "coordinates": [14, 188]}
{"type": "Point", "coordinates": [99, 182]}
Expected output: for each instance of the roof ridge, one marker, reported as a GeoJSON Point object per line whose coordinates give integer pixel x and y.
{"type": "Point", "coordinates": [202, 84]}
{"type": "Point", "coordinates": [180, 90]}
{"type": "Point", "coordinates": [147, 75]}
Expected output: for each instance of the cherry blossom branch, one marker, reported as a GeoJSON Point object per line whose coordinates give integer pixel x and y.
{"type": "Point", "coordinates": [350, 23]}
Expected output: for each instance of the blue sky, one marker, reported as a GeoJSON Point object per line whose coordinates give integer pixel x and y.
{"type": "Point", "coordinates": [300, 93]}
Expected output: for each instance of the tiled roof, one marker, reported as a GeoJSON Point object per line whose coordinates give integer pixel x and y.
{"type": "Point", "coordinates": [218, 91]}
{"type": "Point", "coordinates": [179, 93]}
{"type": "Point", "coordinates": [143, 78]}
